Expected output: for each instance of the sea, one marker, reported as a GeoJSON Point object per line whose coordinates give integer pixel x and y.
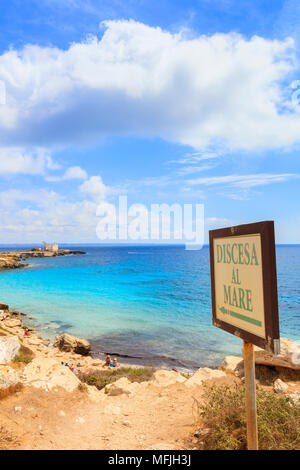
{"type": "Point", "coordinates": [145, 304]}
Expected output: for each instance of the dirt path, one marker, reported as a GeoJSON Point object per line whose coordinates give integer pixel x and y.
{"type": "Point", "coordinates": [155, 418]}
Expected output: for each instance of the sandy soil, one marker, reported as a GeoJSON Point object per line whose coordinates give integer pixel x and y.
{"type": "Point", "coordinates": [156, 418]}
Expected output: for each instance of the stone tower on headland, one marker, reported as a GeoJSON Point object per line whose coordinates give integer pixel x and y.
{"type": "Point", "coordinates": [53, 248]}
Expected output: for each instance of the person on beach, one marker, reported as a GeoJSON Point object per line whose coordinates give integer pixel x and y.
{"type": "Point", "coordinates": [115, 363]}
{"type": "Point", "coordinates": [107, 361]}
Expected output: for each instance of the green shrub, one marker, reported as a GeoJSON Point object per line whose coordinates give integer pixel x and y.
{"type": "Point", "coordinates": [22, 358]}
{"type": "Point", "coordinates": [101, 378]}
{"type": "Point", "coordinates": [223, 413]}
{"type": "Point", "coordinates": [186, 375]}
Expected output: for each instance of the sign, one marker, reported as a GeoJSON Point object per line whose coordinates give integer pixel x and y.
{"type": "Point", "coordinates": [244, 283]}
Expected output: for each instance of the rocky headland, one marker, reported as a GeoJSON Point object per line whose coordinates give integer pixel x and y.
{"type": "Point", "coordinates": [13, 259]}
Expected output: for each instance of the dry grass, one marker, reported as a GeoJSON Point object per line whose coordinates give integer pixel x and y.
{"type": "Point", "coordinates": [101, 378]}
{"type": "Point", "coordinates": [82, 387]}
{"type": "Point", "coordinates": [223, 415]}
{"type": "Point", "coordinates": [7, 440]}
{"type": "Point", "coordinates": [6, 392]}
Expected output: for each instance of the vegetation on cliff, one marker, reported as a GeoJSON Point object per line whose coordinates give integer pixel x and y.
{"type": "Point", "coordinates": [101, 378]}
{"type": "Point", "coordinates": [223, 416]}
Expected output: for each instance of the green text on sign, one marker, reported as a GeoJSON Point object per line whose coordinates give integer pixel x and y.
{"type": "Point", "coordinates": [226, 311]}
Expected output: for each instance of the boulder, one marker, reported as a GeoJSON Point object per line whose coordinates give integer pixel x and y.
{"type": "Point", "coordinates": [289, 356]}
{"type": "Point", "coordinates": [9, 348]}
{"type": "Point", "coordinates": [280, 386]}
{"type": "Point", "coordinates": [46, 373]}
{"type": "Point", "coordinates": [4, 307]}
{"type": "Point", "coordinates": [204, 374]}
{"type": "Point", "coordinates": [118, 387]}
{"type": "Point", "coordinates": [8, 377]}
{"type": "Point", "coordinates": [14, 312]}
{"type": "Point", "coordinates": [35, 341]}
{"type": "Point", "coordinates": [94, 394]}
{"type": "Point", "coordinates": [12, 323]}
{"type": "Point", "coordinates": [232, 363]}
{"type": "Point", "coordinates": [69, 343]}
{"type": "Point", "coordinates": [167, 377]}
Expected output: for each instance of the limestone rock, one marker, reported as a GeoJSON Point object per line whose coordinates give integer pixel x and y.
{"type": "Point", "coordinates": [202, 432]}
{"type": "Point", "coordinates": [289, 355]}
{"type": "Point", "coordinates": [46, 373]}
{"type": "Point", "coordinates": [134, 387]}
{"type": "Point", "coordinates": [94, 394]}
{"type": "Point", "coordinates": [14, 312]}
{"type": "Point", "coordinates": [167, 377]}
{"type": "Point", "coordinates": [8, 377]}
{"type": "Point", "coordinates": [232, 363]}
{"type": "Point", "coordinates": [97, 363]}
{"type": "Point", "coordinates": [35, 341]}
{"type": "Point", "coordinates": [295, 397]}
{"type": "Point", "coordinates": [69, 343]}
{"type": "Point", "coordinates": [9, 348]}
{"type": "Point", "coordinates": [10, 262]}
{"type": "Point", "coordinates": [122, 386]}
{"type": "Point", "coordinates": [280, 386]}
{"type": "Point", "coordinates": [119, 387]}
{"type": "Point", "coordinates": [203, 374]}
{"type": "Point", "coordinates": [13, 323]}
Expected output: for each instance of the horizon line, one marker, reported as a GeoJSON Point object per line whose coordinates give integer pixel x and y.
{"type": "Point", "coordinates": [34, 244]}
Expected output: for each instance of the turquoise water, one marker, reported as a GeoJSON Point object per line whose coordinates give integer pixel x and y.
{"type": "Point", "coordinates": [149, 303]}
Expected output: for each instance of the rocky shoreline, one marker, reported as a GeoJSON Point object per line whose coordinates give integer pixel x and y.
{"type": "Point", "coordinates": [41, 385]}
{"type": "Point", "coordinates": [13, 259]}
{"type": "Point", "coordinates": [72, 350]}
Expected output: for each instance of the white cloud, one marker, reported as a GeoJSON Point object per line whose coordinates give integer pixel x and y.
{"type": "Point", "coordinates": [220, 89]}
{"type": "Point", "coordinates": [193, 158]}
{"type": "Point", "coordinates": [94, 188]}
{"type": "Point", "coordinates": [243, 181]}
{"type": "Point", "coordinates": [187, 170]}
{"type": "Point", "coordinates": [73, 172]}
{"type": "Point", "coordinates": [16, 160]}
{"type": "Point", "coordinates": [38, 215]}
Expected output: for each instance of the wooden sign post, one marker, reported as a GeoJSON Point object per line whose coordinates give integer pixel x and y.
{"type": "Point", "coordinates": [251, 414]}
{"type": "Point", "coordinates": [244, 297]}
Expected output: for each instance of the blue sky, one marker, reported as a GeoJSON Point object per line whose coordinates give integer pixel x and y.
{"type": "Point", "coordinates": [164, 101]}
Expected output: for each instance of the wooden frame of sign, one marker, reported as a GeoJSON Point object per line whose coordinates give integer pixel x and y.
{"type": "Point", "coordinates": [244, 283]}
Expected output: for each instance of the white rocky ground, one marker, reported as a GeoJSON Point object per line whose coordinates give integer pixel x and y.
{"type": "Point", "coordinates": [53, 411]}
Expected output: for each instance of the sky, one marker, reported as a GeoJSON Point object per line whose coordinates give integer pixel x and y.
{"type": "Point", "coordinates": [169, 101]}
